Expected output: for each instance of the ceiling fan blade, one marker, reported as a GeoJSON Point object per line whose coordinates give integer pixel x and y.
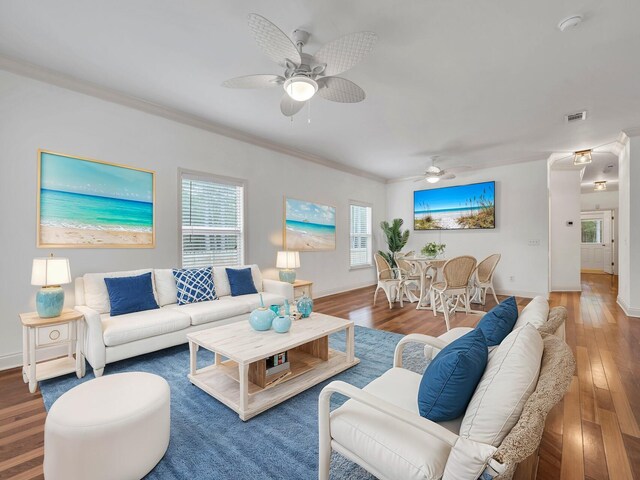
{"type": "Point", "coordinates": [254, 81]}
{"type": "Point", "coordinates": [345, 52]}
{"type": "Point", "coordinates": [273, 41]}
{"type": "Point", "coordinates": [340, 90]}
{"type": "Point", "coordinates": [289, 107]}
{"type": "Point", "coordinates": [450, 176]}
{"type": "Point", "coordinates": [459, 168]}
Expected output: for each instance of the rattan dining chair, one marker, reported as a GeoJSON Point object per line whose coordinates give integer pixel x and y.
{"type": "Point", "coordinates": [389, 279]}
{"type": "Point", "coordinates": [411, 279]}
{"type": "Point", "coordinates": [483, 280]}
{"type": "Point", "coordinates": [448, 294]}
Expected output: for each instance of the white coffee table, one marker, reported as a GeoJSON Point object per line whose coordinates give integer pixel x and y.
{"type": "Point", "coordinates": [240, 353]}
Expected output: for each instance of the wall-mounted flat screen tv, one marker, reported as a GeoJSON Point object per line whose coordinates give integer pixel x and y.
{"type": "Point", "coordinates": [454, 208]}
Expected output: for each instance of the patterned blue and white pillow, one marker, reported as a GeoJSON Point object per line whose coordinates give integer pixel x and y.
{"type": "Point", "coordinates": [194, 285]}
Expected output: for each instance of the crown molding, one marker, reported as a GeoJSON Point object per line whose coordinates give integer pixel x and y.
{"type": "Point", "coordinates": [54, 77]}
{"type": "Point", "coordinates": [632, 132]}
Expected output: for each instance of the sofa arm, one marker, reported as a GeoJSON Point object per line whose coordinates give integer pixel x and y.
{"type": "Point", "coordinates": [93, 344]}
{"type": "Point", "coordinates": [284, 289]}
{"type": "Point", "coordinates": [426, 340]}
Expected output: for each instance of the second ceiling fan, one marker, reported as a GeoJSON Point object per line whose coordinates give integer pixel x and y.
{"type": "Point", "coordinates": [306, 75]}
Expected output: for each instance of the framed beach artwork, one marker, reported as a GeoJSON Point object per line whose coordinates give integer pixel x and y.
{"type": "Point", "coordinates": [460, 207]}
{"type": "Point", "coordinates": [85, 203]}
{"type": "Point", "coordinates": [308, 226]}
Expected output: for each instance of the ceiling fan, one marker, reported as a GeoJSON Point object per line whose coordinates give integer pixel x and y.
{"type": "Point", "coordinates": [306, 75]}
{"type": "Point", "coordinates": [433, 174]}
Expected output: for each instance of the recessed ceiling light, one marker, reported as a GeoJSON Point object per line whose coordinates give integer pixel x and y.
{"type": "Point", "coordinates": [570, 22]}
{"type": "Point", "coordinates": [599, 186]}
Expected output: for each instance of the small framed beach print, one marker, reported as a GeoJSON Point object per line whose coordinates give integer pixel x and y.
{"type": "Point", "coordinates": [308, 226]}
{"type": "Point", "coordinates": [86, 203]}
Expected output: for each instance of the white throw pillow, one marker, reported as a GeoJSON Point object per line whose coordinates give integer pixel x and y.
{"type": "Point", "coordinates": [535, 313]}
{"type": "Point", "coordinates": [467, 459]}
{"type": "Point", "coordinates": [96, 295]}
{"type": "Point", "coordinates": [508, 381]}
{"type": "Point", "coordinates": [165, 286]}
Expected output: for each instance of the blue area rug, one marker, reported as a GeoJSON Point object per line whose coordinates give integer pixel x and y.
{"type": "Point", "coordinates": [209, 441]}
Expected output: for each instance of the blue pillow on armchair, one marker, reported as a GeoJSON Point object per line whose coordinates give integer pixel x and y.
{"type": "Point", "coordinates": [452, 376]}
{"type": "Point", "coordinates": [498, 322]}
{"type": "Point", "coordinates": [130, 294]}
{"type": "Point", "coordinates": [241, 281]}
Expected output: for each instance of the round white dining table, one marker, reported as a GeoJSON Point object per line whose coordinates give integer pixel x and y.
{"type": "Point", "coordinates": [424, 264]}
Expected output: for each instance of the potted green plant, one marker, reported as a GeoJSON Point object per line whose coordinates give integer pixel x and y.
{"type": "Point", "coordinates": [396, 239]}
{"type": "Point", "coordinates": [433, 249]}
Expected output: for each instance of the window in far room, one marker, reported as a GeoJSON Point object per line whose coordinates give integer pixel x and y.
{"type": "Point", "coordinates": [212, 221]}
{"type": "Point", "coordinates": [360, 241]}
{"type": "Point", "coordinates": [591, 231]}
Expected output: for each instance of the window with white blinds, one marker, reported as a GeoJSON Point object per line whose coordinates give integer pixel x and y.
{"type": "Point", "coordinates": [212, 221]}
{"type": "Point", "coordinates": [360, 246]}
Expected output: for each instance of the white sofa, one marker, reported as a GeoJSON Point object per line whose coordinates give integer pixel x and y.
{"type": "Point", "coordinates": [108, 339]}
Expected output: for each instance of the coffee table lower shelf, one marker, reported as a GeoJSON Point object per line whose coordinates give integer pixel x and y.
{"type": "Point", "coordinates": [222, 382]}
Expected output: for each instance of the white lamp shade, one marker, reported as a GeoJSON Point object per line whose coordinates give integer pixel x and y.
{"type": "Point", "coordinates": [288, 260]}
{"type": "Point", "coordinates": [50, 271]}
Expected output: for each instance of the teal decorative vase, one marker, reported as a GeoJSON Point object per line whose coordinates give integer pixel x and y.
{"type": "Point", "coordinates": [261, 318]}
{"type": "Point", "coordinates": [282, 324]}
{"type": "Point", "coordinates": [305, 306]}
{"type": "Point", "coordinates": [49, 301]}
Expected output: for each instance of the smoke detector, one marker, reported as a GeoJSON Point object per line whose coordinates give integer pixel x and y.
{"type": "Point", "coordinates": [570, 22]}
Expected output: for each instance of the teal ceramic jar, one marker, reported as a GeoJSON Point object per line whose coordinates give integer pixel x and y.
{"type": "Point", "coordinates": [49, 301]}
{"type": "Point", "coordinates": [282, 324]}
{"type": "Point", "coordinates": [305, 306]}
{"type": "Point", "coordinates": [261, 318]}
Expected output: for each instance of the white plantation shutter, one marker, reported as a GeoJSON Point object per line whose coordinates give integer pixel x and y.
{"type": "Point", "coordinates": [360, 235]}
{"type": "Point", "coordinates": [212, 222]}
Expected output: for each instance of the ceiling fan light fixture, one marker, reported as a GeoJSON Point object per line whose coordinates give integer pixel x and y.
{"type": "Point", "coordinates": [300, 88]}
{"type": "Point", "coordinates": [582, 157]}
{"type": "Point", "coordinates": [433, 179]}
{"type": "Point", "coordinates": [600, 186]}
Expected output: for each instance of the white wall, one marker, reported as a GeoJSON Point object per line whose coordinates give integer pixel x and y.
{"type": "Point", "coordinates": [607, 200]}
{"type": "Point", "coordinates": [564, 206]}
{"type": "Point", "coordinates": [36, 115]}
{"type": "Point", "coordinates": [522, 218]}
{"type": "Point", "coordinates": [629, 227]}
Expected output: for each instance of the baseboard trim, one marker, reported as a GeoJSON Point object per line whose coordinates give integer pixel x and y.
{"type": "Point", "coordinates": [521, 293]}
{"type": "Point", "coordinates": [629, 312]}
{"type": "Point", "coordinates": [335, 291]}
{"type": "Point", "coordinates": [14, 360]}
{"type": "Point", "coordinates": [570, 288]}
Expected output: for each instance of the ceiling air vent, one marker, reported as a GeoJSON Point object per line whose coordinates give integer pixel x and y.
{"type": "Point", "coordinates": [576, 117]}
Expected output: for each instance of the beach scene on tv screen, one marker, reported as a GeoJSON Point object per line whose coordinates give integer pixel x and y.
{"type": "Point", "coordinates": [452, 208]}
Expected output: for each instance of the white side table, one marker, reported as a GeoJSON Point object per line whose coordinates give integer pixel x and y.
{"type": "Point", "coordinates": [302, 287]}
{"type": "Point", "coordinates": [38, 333]}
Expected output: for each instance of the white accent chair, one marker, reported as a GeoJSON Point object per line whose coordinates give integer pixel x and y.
{"type": "Point", "coordinates": [389, 280]}
{"type": "Point", "coordinates": [448, 294]}
{"type": "Point", "coordinates": [110, 428]}
{"type": "Point", "coordinates": [380, 428]}
{"type": "Point", "coordinates": [483, 278]}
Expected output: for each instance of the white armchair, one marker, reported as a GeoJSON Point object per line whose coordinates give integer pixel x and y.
{"type": "Point", "coordinates": [380, 428]}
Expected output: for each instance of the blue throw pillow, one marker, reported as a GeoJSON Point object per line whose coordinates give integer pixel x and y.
{"type": "Point", "coordinates": [499, 321]}
{"type": "Point", "coordinates": [451, 378]}
{"type": "Point", "coordinates": [241, 281]}
{"type": "Point", "coordinates": [194, 285]}
{"type": "Point", "coordinates": [130, 294]}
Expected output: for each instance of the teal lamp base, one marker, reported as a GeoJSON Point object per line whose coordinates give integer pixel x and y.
{"type": "Point", "coordinates": [287, 275]}
{"type": "Point", "coordinates": [49, 301]}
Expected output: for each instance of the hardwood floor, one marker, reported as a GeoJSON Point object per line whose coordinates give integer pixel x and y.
{"type": "Point", "coordinates": [593, 433]}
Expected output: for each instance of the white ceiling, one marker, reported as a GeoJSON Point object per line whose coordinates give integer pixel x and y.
{"type": "Point", "coordinates": [478, 82]}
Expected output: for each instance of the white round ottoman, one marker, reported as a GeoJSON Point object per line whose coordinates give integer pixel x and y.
{"type": "Point", "coordinates": [114, 427]}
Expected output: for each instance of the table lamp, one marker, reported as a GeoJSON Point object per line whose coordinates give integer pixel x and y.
{"type": "Point", "coordinates": [286, 262]}
{"type": "Point", "coordinates": [50, 273]}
